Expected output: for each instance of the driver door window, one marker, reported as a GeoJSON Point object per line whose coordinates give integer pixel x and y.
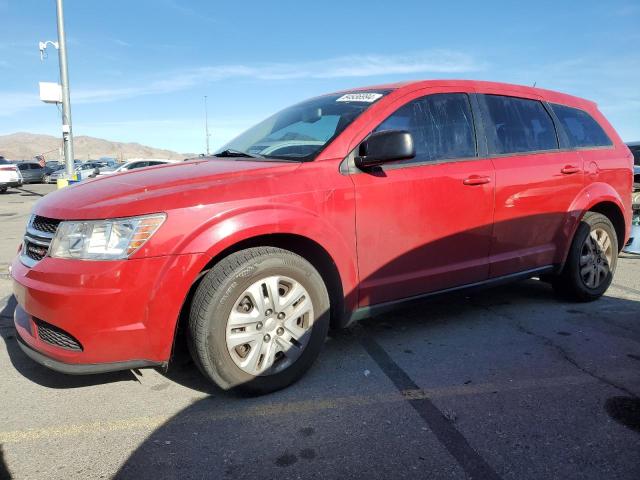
{"type": "Point", "coordinates": [441, 126]}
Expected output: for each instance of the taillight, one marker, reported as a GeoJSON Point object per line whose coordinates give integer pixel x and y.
{"type": "Point", "coordinates": [8, 168]}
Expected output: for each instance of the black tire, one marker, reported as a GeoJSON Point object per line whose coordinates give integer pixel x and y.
{"type": "Point", "coordinates": [216, 295]}
{"type": "Point", "coordinates": [3, 189]}
{"type": "Point", "coordinates": [569, 283]}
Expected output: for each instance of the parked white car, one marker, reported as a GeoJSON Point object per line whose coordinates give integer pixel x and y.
{"type": "Point", "coordinates": [10, 175]}
{"type": "Point", "coordinates": [133, 164]}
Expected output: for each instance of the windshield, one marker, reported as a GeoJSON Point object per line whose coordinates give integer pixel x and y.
{"type": "Point", "coordinates": [301, 132]}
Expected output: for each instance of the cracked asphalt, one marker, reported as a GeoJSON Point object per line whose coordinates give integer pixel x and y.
{"type": "Point", "coordinates": [506, 383]}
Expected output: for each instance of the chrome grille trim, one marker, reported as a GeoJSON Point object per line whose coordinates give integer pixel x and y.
{"type": "Point", "coordinates": [38, 241]}
{"type": "Point", "coordinates": [38, 237]}
{"type": "Point", "coordinates": [38, 233]}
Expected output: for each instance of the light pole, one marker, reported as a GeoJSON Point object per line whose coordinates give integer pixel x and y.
{"type": "Point", "coordinates": [63, 89]}
{"type": "Point", "coordinates": [67, 133]}
{"type": "Point", "coordinates": [206, 123]}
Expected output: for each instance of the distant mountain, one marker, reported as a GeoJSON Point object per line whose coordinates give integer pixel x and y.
{"type": "Point", "coordinates": [24, 146]}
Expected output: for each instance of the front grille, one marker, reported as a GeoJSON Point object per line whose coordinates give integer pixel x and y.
{"type": "Point", "coordinates": [34, 251]}
{"type": "Point", "coordinates": [40, 231]}
{"type": "Point", "coordinates": [44, 224]}
{"type": "Point", "coordinates": [56, 336]}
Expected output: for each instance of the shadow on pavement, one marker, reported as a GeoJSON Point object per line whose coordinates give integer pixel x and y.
{"type": "Point", "coordinates": [4, 470]}
{"type": "Point", "coordinates": [221, 434]}
{"type": "Point", "coordinates": [29, 193]}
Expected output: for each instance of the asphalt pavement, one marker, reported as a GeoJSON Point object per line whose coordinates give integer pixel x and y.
{"type": "Point", "coordinates": [506, 383]}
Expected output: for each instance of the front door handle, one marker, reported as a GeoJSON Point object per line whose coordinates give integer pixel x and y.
{"type": "Point", "coordinates": [476, 180]}
{"type": "Point", "coordinates": [569, 170]}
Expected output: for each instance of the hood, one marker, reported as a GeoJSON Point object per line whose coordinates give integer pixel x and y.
{"type": "Point", "coordinates": [161, 188]}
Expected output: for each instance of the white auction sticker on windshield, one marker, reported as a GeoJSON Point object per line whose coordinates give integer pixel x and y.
{"type": "Point", "coordinates": [359, 97]}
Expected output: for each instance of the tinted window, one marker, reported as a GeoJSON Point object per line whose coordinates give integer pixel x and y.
{"type": "Point", "coordinates": [441, 126]}
{"type": "Point", "coordinates": [138, 165]}
{"type": "Point", "coordinates": [516, 125]}
{"type": "Point", "coordinates": [581, 128]}
{"type": "Point", "coordinates": [155, 163]}
{"type": "Point", "coordinates": [23, 166]}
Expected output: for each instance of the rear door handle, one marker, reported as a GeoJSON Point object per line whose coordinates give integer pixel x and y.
{"type": "Point", "coordinates": [476, 180]}
{"type": "Point", "coordinates": [570, 169]}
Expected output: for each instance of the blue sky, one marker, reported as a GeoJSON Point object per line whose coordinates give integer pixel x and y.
{"type": "Point", "coordinates": [139, 69]}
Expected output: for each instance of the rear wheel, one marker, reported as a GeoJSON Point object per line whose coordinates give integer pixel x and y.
{"type": "Point", "coordinates": [258, 320]}
{"type": "Point", "coordinates": [3, 189]}
{"type": "Point", "coordinates": [592, 260]}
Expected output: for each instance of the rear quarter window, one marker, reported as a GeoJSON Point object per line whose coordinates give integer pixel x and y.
{"type": "Point", "coordinates": [581, 128]}
{"type": "Point", "coordinates": [517, 125]}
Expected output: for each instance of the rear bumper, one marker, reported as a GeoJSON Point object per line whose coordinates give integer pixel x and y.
{"type": "Point", "coordinates": [11, 184]}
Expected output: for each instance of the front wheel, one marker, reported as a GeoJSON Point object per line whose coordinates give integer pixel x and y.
{"type": "Point", "coordinates": [591, 262]}
{"type": "Point", "coordinates": [258, 320]}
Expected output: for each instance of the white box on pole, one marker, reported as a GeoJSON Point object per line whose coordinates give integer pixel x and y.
{"type": "Point", "coordinates": [50, 92]}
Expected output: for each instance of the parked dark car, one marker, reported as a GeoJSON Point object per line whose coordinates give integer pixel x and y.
{"type": "Point", "coordinates": [32, 172]}
{"type": "Point", "coordinates": [635, 149]}
{"type": "Point", "coordinates": [50, 168]}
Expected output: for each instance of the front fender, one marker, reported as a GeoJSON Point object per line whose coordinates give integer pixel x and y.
{"type": "Point", "coordinates": [239, 225]}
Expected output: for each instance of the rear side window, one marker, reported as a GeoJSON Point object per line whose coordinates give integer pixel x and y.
{"type": "Point", "coordinates": [580, 127]}
{"type": "Point", "coordinates": [441, 126]}
{"type": "Point", "coordinates": [517, 125]}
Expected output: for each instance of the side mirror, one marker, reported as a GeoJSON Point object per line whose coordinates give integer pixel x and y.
{"type": "Point", "coordinates": [385, 146]}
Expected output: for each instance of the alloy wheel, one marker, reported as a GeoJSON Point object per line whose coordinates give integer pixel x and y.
{"type": "Point", "coordinates": [595, 258]}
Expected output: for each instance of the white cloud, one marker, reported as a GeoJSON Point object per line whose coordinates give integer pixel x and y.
{"type": "Point", "coordinates": [121, 43]}
{"type": "Point", "coordinates": [439, 61]}
{"type": "Point", "coordinates": [14, 102]}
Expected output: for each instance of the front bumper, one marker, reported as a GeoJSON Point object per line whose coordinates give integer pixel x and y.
{"type": "Point", "coordinates": [20, 316]}
{"type": "Point", "coordinates": [123, 314]}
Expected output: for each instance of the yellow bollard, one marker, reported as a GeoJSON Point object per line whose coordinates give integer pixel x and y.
{"type": "Point", "coordinates": [64, 182]}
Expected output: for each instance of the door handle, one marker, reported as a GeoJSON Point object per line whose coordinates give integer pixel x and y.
{"type": "Point", "coordinates": [476, 180]}
{"type": "Point", "coordinates": [569, 169]}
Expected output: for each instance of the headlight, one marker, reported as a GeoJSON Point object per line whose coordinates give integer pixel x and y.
{"type": "Point", "coordinates": [104, 239]}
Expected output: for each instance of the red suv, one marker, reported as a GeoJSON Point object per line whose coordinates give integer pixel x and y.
{"type": "Point", "coordinates": [331, 210]}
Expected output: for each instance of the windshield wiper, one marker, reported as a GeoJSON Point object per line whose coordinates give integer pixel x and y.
{"type": "Point", "coordinates": [235, 153]}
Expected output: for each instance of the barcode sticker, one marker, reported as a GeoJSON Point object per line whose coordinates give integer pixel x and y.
{"type": "Point", "coordinates": [359, 97]}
